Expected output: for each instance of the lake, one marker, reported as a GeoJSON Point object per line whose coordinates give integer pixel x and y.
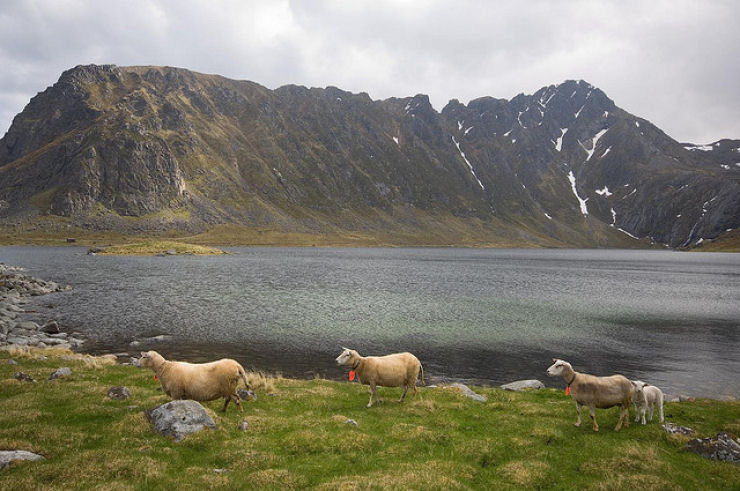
{"type": "Point", "coordinates": [484, 316]}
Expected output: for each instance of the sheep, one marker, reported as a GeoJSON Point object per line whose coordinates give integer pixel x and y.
{"type": "Point", "coordinates": [647, 396]}
{"type": "Point", "coordinates": [396, 370]}
{"type": "Point", "coordinates": [197, 381]}
{"type": "Point", "coordinates": [595, 392]}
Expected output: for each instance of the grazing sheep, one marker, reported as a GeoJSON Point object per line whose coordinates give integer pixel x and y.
{"type": "Point", "coordinates": [595, 392]}
{"type": "Point", "coordinates": [647, 396]}
{"type": "Point", "coordinates": [197, 381]}
{"type": "Point", "coordinates": [396, 370]}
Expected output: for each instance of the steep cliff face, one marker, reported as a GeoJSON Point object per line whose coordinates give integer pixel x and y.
{"type": "Point", "coordinates": [564, 166]}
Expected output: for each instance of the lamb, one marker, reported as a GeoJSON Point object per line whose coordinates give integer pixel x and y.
{"type": "Point", "coordinates": [595, 392]}
{"type": "Point", "coordinates": [396, 370]}
{"type": "Point", "coordinates": [647, 396]}
{"type": "Point", "coordinates": [198, 381]}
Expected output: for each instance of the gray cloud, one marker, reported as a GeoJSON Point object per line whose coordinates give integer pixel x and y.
{"type": "Point", "coordinates": [672, 62]}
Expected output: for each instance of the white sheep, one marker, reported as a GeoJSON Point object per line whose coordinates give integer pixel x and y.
{"type": "Point", "coordinates": [595, 392]}
{"type": "Point", "coordinates": [197, 381]}
{"type": "Point", "coordinates": [396, 370]}
{"type": "Point", "coordinates": [647, 397]}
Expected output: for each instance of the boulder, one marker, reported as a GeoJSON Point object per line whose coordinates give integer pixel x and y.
{"type": "Point", "coordinates": [180, 418]}
{"type": "Point", "coordinates": [721, 447]}
{"type": "Point", "coordinates": [51, 327]}
{"type": "Point", "coordinates": [23, 377]}
{"type": "Point", "coordinates": [676, 429]}
{"type": "Point", "coordinates": [119, 392]}
{"type": "Point", "coordinates": [520, 385]}
{"type": "Point", "coordinates": [469, 393]}
{"type": "Point", "coordinates": [246, 395]}
{"type": "Point", "coordinates": [9, 456]}
{"type": "Point", "coordinates": [27, 326]}
{"type": "Point", "coordinates": [60, 372]}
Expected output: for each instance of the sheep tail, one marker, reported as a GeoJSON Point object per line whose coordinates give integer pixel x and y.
{"type": "Point", "coordinates": [243, 375]}
{"type": "Point", "coordinates": [421, 372]}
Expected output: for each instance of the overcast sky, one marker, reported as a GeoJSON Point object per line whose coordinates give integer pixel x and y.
{"type": "Point", "coordinates": [673, 62]}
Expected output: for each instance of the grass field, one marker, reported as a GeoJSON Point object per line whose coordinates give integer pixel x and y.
{"type": "Point", "coordinates": [298, 437]}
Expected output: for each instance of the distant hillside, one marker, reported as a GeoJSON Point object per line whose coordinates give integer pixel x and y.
{"type": "Point", "coordinates": [141, 149]}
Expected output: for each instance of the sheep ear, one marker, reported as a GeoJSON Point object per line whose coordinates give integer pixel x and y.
{"type": "Point", "coordinates": [143, 354]}
{"type": "Point", "coordinates": [554, 360]}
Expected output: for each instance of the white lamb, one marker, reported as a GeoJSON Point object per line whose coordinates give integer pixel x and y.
{"type": "Point", "coordinates": [647, 397]}
{"type": "Point", "coordinates": [396, 370]}
{"type": "Point", "coordinates": [197, 381]}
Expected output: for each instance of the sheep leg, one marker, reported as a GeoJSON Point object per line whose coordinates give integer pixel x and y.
{"type": "Point", "coordinates": [642, 413]}
{"type": "Point", "coordinates": [623, 417]}
{"type": "Point", "coordinates": [660, 410]}
{"type": "Point", "coordinates": [237, 401]}
{"type": "Point", "coordinates": [637, 412]}
{"type": "Point", "coordinates": [226, 403]}
{"type": "Point", "coordinates": [413, 387]}
{"type": "Point", "coordinates": [405, 388]}
{"type": "Point", "coordinates": [650, 409]}
{"type": "Point", "coordinates": [372, 391]}
{"type": "Point", "coordinates": [592, 413]}
{"type": "Point", "coordinates": [578, 412]}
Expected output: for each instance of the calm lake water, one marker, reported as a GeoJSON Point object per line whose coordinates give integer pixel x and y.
{"type": "Point", "coordinates": [486, 316]}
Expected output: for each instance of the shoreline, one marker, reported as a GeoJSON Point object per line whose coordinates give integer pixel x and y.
{"type": "Point", "coordinates": [16, 289]}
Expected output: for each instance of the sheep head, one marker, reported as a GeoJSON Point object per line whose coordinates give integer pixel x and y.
{"type": "Point", "coordinates": [348, 357]}
{"type": "Point", "coordinates": [150, 359]}
{"type": "Point", "coordinates": [559, 367]}
{"type": "Point", "coordinates": [639, 386]}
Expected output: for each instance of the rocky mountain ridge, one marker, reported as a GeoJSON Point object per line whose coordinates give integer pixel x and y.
{"type": "Point", "coordinates": [147, 148]}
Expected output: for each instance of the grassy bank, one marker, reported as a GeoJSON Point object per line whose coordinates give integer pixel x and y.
{"type": "Point", "coordinates": [152, 247]}
{"type": "Point", "coordinates": [298, 437]}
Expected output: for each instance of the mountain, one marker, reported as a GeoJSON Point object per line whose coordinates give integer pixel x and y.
{"type": "Point", "coordinates": [141, 149]}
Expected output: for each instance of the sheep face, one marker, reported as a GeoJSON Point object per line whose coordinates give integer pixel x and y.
{"type": "Point", "coordinates": [639, 386]}
{"type": "Point", "coordinates": [150, 358]}
{"type": "Point", "coordinates": [348, 357]}
{"type": "Point", "coordinates": [558, 368]}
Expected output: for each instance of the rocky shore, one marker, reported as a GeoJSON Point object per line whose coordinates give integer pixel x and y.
{"type": "Point", "coordinates": [16, 288]}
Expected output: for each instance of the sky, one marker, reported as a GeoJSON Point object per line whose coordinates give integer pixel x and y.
{"type": "Point", "coordinates": [673, 62]}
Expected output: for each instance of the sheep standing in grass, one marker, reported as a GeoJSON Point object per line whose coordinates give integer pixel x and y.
{"type": "Point", "coordinates": [647, 397]}
{"type": "Point", "coordinates": [595, 392]}
{"type": "Point", "coordinates": [197, 381]}
{"type": "Point", "coordinates": [396, 370]}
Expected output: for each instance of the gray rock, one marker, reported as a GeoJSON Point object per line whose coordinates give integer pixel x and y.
{"type": "Point", "coordinates": [119, 392]}
{"type": "Point", "coordinates": [27, 325]}
{"type": "Point", "coordinates": [469, 393]}
{"type": "Point", "coordinates": [171, 252]}
{"type": "Point", "coordinates": [520, 385]}
{"type": "Point", "coordinates": [685, 398]}
{"type": "Point", "coordinates": [23, 377]}
{"type": "Point", "coordinates": [18, 340]}
{"type": "Point", "coordinates": [676, 429]}
{"type": "Point", "coordinates": [12, 362]}
{"type": "Point", "coordinates": [179, 419]}
{"type": "Point", "coordinates": [246, 395]}
{"type": "Point", "coordinates": [60, 372]}
{"type": "Point", "coordinates": [351, 422]}
{"type": "Point", "coordinates": [51, 327]}
{"type": "Point", "coordinates": [721, 447]}
{"type": "Point", "coordinates": [243, 425]}
{"type": "Point", "coordinates": [9, 456]}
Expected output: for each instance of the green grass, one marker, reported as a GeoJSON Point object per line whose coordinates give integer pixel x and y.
{"type": "Point", "coordinates": [298, 438]}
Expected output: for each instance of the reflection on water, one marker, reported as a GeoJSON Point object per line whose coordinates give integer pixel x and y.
{"type": "Point", "coordinates": [489, 316]}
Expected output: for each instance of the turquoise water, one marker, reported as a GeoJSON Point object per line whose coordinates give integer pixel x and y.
{"type": "Point", "coordinates": [481, 315]}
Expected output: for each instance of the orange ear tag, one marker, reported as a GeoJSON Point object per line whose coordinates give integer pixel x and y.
{"type": "Point", "coordinates": [351, 375]}
{"type": "Point", "coordinates": [567, 390]}
{"type": "Point", "coordinates": [155, 377]}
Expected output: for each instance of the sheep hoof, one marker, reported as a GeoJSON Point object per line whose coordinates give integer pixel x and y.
{"type": "Point", "coordinates": [597, 429]}
{"type": "Point", "coordinates": [577, 424]}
